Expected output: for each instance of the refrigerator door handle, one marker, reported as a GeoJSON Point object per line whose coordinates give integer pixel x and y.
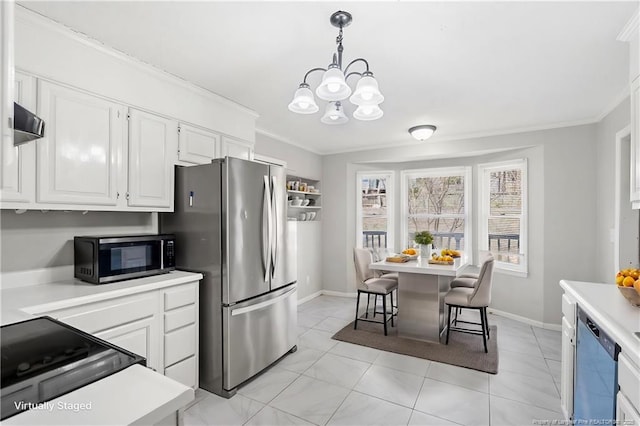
{"type": "Point", "coordinates": [266, 228]}
{"type": "Point", "coordinates": [274, 242]}
{"type": "Point", "coordinates": [262, 305]}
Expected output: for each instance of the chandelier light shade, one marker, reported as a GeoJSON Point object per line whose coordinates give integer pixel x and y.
{"type": "Point", "coordinates": [334, 114]}
{"type": "Point", "coordinates": [335, 89]}
{"type": "Point", "coordinates": [368, 112]}
{"type": "Point", "coordinates": [303, 101]}
{"type": "Point", "coordinates": [423, 132]}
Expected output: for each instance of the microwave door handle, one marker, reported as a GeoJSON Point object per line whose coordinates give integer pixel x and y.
{"type": "Point", "coordinates": [266, 228]}
{"type": "Point", "coordinates": [274, 245]}
{"type": "Point", "coordinates": [162, 254]}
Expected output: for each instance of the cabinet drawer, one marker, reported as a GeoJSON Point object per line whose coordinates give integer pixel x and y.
{"type": "Point", "coordinates": [183, 372]}
{"type": "Point", "coordinates": [179, 344]}
{"type": "Point", "coordinates": [569, 309]}
{"type": "Point", "coordinates": [629, 380]}
{"type": "Point", "coordinates": [179, 318]}
{"type": "Point", "coordinates": [179, 297]}
{"type": "Point", "coordinates": [100, 316]}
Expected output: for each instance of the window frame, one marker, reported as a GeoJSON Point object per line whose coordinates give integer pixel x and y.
{"type": "Point", "coordinates": [484, 190]}
{"type": "Point", "coordinates": [389, 175]}
{"type": "Point", "coordinates": [464, 171]}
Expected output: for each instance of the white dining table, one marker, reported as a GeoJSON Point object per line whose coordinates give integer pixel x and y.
{"type": "Point", "coordinates": [421, 290]}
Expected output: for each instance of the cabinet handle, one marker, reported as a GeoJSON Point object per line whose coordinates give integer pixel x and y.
{"type": "Point", "coordinates": [127, 195]}
{"type": "Point", "coordinates": [117, 195]}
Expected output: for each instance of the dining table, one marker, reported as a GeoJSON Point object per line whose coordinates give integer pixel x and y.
{"type": "Point", "coordinates": [422, 287]}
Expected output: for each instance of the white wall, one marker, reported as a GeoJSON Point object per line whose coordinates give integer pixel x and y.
{"type": "Point", "coordinates": [36, 239]}
{"type": "Point", "coordinates": [309, 238]}
{"type": "Point", "coordinates": [606, 172]}
{"type": "Point", "coordinates": [561, 182]}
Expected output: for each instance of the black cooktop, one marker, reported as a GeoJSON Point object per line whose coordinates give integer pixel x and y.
{"type": "Point", "coordinates": [43, 358]}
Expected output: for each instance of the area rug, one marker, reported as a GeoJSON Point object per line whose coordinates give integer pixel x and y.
{"type": "Point", "coordinates": [463, 350]}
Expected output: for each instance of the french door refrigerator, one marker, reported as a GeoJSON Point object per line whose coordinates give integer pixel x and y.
{"type": "Point", "coordinates": [230, 224]}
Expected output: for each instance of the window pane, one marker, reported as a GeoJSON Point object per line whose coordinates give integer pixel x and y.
{"type": "Point", "coordinates": [506, 192]}
{"type": "Point", "coordinates": [447, 232]}
{"type": "Point", "coordinates": [374, 232]}
{"type": "Point", "coordinates": [504, 235]}
{"type": "Point", "coordinates": [436, 195]}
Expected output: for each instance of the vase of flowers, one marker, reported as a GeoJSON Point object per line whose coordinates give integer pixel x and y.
{"type": "Point", "coordinates": [425, 240]}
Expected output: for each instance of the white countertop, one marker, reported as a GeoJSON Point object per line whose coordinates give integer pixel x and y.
{"type": "Point", "coordinates": [20, 303]}
{"type": "Point", "coordinates": [421, 266]}
{"type": "Point", "coordinates": [611, 311]}
{"type": "Point", "coordinates": [136, 395]}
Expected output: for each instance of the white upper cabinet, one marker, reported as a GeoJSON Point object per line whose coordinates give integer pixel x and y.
{"type": "Point", "coordinates": [153, 142]}
{"type": "Point", "coordinates": [78, 157]}
{"type": "Point", "coordinates": [236, 148]}
{"type": "Point", "coordinates": [197, 146]}
{"type": "Point", "coordinates": [635, 143]}
{"type": "Point", "coordinates": [18, 163]}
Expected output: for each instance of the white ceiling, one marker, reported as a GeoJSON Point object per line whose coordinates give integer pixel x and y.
{"type": "Point", "coordinates": [470, 68]}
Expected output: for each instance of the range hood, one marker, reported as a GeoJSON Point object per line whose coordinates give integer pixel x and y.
{"type": "Point", "coordinates": [26, 125]}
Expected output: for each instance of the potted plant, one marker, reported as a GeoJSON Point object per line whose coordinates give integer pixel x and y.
{"type": "Point", "coordinates": [425, 240]}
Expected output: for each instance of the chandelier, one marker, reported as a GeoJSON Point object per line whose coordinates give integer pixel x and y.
{"type": "Point", "coordinates": [334, 87]}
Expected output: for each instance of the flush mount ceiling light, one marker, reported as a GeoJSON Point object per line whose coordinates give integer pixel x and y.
{"type": "Point", "coordinates": [334, 87]}
{"type": "Point", "coordinates": [422, 133]}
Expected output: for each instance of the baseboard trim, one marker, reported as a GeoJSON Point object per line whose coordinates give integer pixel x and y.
{"type": "Point", "coordinates": [339, 294]}
{"type": "Point", "coordinates": [540, 324]}
{"type": "Point", "coordinates": [309, 297]}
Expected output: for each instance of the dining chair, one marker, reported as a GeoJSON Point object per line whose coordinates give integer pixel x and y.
{"type": "Point", "coordinates": [476, 297]}
{"type": "Point", "coordinates": [370, 284]}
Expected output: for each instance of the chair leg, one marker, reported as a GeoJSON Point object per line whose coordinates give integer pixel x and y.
{"type": "Point", "coordinates": [456, 311]}
{"type": "Point", "coordinates": [391, 295]}
{"type": "Point", "coordinates": [486, 321]}
{"type": "Point", "coordinates": [384, 313]}
{"type": "Point", "coordinates": [355, 323]}
{"type": "Point", "coordinates": [375, 304]}
{"type": "Point", "coordinates": [366, 314]}
{"type": "Point", "coordinates": [484, 335]}
{"type": "Point", "coordinates": [448, 322]}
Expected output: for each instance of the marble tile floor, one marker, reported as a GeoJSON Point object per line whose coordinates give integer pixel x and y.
{"type": "Point", "coordinates": [327, 382]}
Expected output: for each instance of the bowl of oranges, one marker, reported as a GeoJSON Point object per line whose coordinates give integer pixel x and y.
{"type": "Point", "coordinates": [411, 253]}
{"type": "Point", "coordinates": [628, 281]}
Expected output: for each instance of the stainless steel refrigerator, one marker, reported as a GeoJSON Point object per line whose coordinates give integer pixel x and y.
{"type": "Point", "coordinates": [230, 223]}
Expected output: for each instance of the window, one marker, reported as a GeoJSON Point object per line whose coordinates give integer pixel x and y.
{"type": "Point", "coordinates": [503, 213]}
{"type": "Point", "coordinates": [374, 226]}
{"type": "Point", "coordinates": [436, 200]}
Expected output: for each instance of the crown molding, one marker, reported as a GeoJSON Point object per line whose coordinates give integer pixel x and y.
{"type": "Point", "coordinates": [624, 93]}
{"type": "Point", "coordinates": [31, 17]}
{"type": "Point", "coordinates": [288, 141]}
{"type": "Point", "coordinates": [631, 29]}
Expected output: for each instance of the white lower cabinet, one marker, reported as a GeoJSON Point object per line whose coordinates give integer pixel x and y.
{"type": "Point", "coordinates": [568, 355]}
{"type": "Point", "coordinates": [628, 399]}
{"type": "Point", "coordinates": [160, 325]}
{"type": "Point", "coordinates": [153, 142]}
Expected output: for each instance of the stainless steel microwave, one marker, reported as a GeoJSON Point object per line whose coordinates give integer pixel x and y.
{"type": "Point", "coordinates": [105, 259]}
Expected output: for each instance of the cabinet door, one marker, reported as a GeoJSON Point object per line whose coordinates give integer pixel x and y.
{"type": "Point", "coordinates": [236, 148]}
{"type": "Point", "coordinates": [197, 146]}
{"type": "Point", "coordinates": [625, 413]}
{"type": "Point", "coordinates": [635, 143]}
{"type": "Point", "coordinates": [152, 152]}
{"type": "Point", "coordinates": [19, 162]}
{"type": "Point", "coordinates": [139, 337]}
{"type": "Point", "coordinates": [78, 158]}
{"type": "Point", "coordinates": [566, 372]}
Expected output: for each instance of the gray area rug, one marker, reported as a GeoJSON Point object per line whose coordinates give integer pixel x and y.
{"type": "Point", "coordinates": [463, 350]}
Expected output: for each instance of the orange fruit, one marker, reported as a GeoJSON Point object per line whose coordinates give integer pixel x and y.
{"type": "Point", "coordinates": [628, 281]}
{"type": "Point", "coordinates": [636, 285]}
{"type": "Point", "coordinates": [619, 279]}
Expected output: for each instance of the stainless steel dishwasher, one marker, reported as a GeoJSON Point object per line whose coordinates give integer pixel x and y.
{"type": "Point", "coordinates": [596, 373]}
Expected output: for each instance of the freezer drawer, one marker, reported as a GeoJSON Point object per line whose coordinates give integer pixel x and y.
{"type": "Point", "coordinates": [257, 333]}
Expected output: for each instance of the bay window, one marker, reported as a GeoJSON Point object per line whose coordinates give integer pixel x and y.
{"type": "Point", "coordinates": [374, 223]}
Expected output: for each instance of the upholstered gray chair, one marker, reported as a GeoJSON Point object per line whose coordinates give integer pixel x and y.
{"type": "Point", "coordinates": [477, 296]}
{"type": "Point", "coordinates": [370, 284]}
